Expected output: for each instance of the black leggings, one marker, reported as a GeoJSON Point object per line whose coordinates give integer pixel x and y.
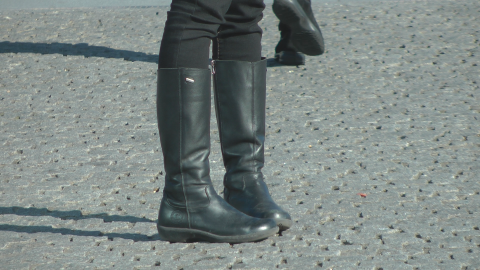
{"type": "Point", "coordinates": [192, 24]}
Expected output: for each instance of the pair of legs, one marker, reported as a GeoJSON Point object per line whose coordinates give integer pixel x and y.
{"type": "Point", "coordinates": [190, 209]}
{"type": "Point", "coordinates": [192, 24]}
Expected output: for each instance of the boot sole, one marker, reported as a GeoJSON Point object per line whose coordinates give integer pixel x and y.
{"type": "Point", "coordinates": [290, 58]}
{"type": "Point", "coordinates": [184, 235]}
{"type": "Point", "coordinates": [306, 37]}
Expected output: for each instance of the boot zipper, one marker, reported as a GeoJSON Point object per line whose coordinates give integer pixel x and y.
{"type": "Point", "coordinates": [213, 67]}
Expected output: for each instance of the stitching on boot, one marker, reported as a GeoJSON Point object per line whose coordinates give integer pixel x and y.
{"type": "Point", "coordinates": [254, 124]}
{"type": "Point", "coordinates": [180, 92]}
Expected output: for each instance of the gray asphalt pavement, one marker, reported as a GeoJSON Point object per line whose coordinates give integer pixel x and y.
{"type": "Point", "coordinates": [29, 4]}
{"type": "Point", "coordinates": [372, 147]}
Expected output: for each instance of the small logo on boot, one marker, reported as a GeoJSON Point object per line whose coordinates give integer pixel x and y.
{"type": "Point", "coordinates": [189, 80]}
{"type": "Point", "coordinates": [178, 217]}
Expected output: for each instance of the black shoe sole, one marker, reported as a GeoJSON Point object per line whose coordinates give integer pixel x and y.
{"type": "Point", "coordinates": [290, 58]}
{"type": "Point", "coordinates": [306, 37]}
{"type": "Point", "coordinates": [185, 235]}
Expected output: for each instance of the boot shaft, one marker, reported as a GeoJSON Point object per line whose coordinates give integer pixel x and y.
{"type": "Point", "coordinates": [240, 96]}
{"type": "Point", "coordinates": [183, 112]}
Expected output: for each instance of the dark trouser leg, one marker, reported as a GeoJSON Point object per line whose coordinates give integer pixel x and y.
{"type": "Point", "coordinates": [239, 37]}
{"type": "Point", "coordinates": [192, 24]}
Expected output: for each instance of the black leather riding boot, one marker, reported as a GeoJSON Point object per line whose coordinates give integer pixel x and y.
{"type": "Point", "coordinates": [190, 209]}
{"type": "Point", "coordinates": [240, 91]}
{"type": "Point", "coordinates": [306, 35]}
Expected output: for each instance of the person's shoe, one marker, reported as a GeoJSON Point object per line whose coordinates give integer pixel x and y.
{"type": "Point", "coordinates": [190, 209]}
{"type": "Point", "coordinates": [290, 58]}
{"type": "Point", "coordinates": [305, 35]}
{"type": "Point", "coordinates": [285, 53]}
{"type": "Point", "coordinates": [240, 93]}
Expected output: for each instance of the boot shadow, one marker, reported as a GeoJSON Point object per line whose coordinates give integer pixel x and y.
{"type": "Point", "coordinates": [80, 49]}
{"type": "Point", "coordinates": [73, 215]}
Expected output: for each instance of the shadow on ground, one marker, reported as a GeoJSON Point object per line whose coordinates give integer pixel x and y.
{"type": "Point", "coordinates": [83, 49]}
{"type": "Point", "coordinates": [136, 237]}
{"type": "Point", "coordinates": [72, 215]}
{"type": "Point", "coordinates": [68, 215]}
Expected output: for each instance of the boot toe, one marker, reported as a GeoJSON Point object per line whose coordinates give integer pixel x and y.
{"type": "Point", "coordinates": [282, 218]}
{"type": "Point", "coordinates": [263, 225]}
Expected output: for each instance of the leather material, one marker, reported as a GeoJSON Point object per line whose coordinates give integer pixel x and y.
{"type": "Point", "coordinates": [240, 93]}
{"type": "Point", "coordinates": [290, 58]}
{"type": "Point", "coordinates": [226, 220]}
{"type": "Point", "coordinates": [182, 119]}
{"type": "Point", "coordinates": [240, 96]}
{"type": "Point", "coordinates": [190, 209]}
{"type": "Point", "coordinates": [299, 29]}
{"type": "Point", "coordinates": [284, 44]}
{"type": "Point", "coordinates": [285, 52]}
{"type": "Point", "coordinates": [249, 194]}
